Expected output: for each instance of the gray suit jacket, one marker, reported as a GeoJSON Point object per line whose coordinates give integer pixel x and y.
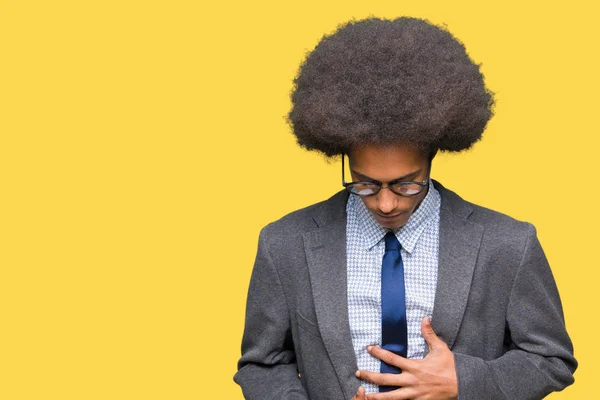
{"type": "Point", "coordinates": [496, 306]}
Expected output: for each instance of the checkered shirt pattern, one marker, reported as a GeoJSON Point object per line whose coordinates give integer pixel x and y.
{"type": "Point", "coordinates": [365, 247]}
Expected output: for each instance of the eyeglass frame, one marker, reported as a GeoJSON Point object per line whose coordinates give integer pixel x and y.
{"type": "Point", "coordinates": [423, 184]}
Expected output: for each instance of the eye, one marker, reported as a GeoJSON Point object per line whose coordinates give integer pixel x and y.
{"type": "Point", "coordinates": [364, 188]}
{"type": "Point", "coordinates": [366, 191]}
{"type": "Point", "coordinates": [407, 188]}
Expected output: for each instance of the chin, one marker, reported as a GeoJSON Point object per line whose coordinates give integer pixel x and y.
{"type": "Point", "coordinates": [392, 224]}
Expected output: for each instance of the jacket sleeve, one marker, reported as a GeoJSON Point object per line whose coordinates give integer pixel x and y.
{"type": "Point", "coordinates": [540, 357]}
{"type": "Point", "coordinates": [267, 368]}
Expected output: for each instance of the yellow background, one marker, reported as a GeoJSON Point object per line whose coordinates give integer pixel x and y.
{"type": "Point", "coordinates": [143, 145]}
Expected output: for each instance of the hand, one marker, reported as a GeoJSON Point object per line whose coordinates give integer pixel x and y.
{"type": "Point", "coordinates": [433, 377]}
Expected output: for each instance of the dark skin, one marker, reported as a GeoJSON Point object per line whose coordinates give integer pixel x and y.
{"type": "Point", "coordinates": [433, 377]}
{"type": "Point", "coordinates": [371, 163]}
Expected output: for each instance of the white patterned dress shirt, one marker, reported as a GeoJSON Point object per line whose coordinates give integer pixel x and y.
{"type": "Point", "coordinates": [365, 247]}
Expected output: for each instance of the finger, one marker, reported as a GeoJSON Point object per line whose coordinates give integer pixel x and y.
{"type": "Point", "coordinates": [360, 394]}
{"type": "Point", "coordinates": [432, 339]}
{"type": "Point", "coordinates": [389, 358]}
{"type": "Point", "coordinates": [402, 393]}
{"type": "Point", "coordinates": [383, 379]}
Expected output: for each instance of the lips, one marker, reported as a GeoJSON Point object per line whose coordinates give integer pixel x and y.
{"type": "Point", "coordinates": [389, 216]}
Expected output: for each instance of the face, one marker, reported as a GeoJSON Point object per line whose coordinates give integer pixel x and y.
{"type": "Point", "coordinates": [370, 163]}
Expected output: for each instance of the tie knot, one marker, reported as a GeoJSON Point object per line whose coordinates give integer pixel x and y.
{"type": "Point", "coordinates": [391, 242]}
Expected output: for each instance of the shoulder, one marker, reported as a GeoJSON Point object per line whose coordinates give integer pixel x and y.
{"type": "Point", "coordinates": [307, 218]}
{"type": "Point", "coordinates": [501, 239]}
{"type": "Point", "coordinates": [502, 232]}
{"type": "Point", "coordinates": [495, 223]}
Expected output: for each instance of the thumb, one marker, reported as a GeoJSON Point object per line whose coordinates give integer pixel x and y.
{"type": "Point", "coordinates": [433, 341]}
{"type": "Point", "coordinates": [360, 394]}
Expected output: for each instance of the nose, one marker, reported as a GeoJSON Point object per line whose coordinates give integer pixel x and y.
{"type": "Point", "coordinates": [386, 200]}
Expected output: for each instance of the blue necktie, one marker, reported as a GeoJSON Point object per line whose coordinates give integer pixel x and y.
{"type": "Point", "coordinates": [394, 335]}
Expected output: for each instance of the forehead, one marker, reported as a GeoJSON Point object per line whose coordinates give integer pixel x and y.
{"type": "Point", "coordinates": [386, 162]}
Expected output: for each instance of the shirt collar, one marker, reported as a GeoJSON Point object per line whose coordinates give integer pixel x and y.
{"type": "Point", "coordinates": [408, 235]}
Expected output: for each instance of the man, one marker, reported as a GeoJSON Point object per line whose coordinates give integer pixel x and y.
{"type": "Point", "coordinates": [395, 287]}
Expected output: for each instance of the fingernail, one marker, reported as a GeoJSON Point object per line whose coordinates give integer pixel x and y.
{"type": "Point", "coordinates": [429, 319]}
{"type": "Point", "coordinates": [357, 374]}
{"type": "Point", "coordinates": [369, 348]}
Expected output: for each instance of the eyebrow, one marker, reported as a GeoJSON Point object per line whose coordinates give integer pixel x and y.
{"type": "Point", "coordinates": [412, 174]}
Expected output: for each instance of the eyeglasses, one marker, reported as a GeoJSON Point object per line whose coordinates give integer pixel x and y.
{"type": "Point", "coordinates": [401, 188]}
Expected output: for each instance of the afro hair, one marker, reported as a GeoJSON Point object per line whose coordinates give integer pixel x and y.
{"type": "Point", "coordinates": [377, 81]}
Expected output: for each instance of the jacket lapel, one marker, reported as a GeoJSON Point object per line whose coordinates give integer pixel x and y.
{"type": "Point", "coordinates": [460, 240]}
{"type": "Point", "coordinates": [326, 256]}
